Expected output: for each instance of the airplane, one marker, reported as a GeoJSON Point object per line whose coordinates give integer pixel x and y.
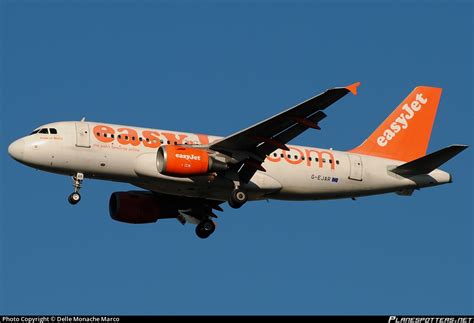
{"type": "Point", "coordinates": [188, 176]}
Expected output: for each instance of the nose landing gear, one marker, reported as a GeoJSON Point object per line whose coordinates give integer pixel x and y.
{"type": "Point", "coordinates": [75, 197]}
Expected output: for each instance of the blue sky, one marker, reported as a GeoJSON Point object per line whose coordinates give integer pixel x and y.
{"type": "Point", "coordinates": [216, 67]}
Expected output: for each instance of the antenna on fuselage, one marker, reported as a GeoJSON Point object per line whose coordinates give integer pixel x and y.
{"type": "Point", "coordinates": [83, 119]}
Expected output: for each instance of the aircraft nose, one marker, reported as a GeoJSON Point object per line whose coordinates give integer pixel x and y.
{"type": "Point", "coordinates": [17, 149]}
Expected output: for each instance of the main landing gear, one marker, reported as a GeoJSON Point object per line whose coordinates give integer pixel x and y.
{"type": "Point", "coordinates": [75, 197]}
{"type": "Point", "coordinates": [238, 197]}
{"type": "Point", "coordinates": [205, 228]}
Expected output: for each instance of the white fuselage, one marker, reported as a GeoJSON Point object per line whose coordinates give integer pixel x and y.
{"type": "Point", "coordinates": [128, 154]}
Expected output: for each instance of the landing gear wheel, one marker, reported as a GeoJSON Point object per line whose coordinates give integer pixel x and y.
{"type": "Point", "coordinates": [237, 198]}
{"type": "Point", "coordinates": [74, 198]}
{"type": "Point", "coordinates": [205, 229]}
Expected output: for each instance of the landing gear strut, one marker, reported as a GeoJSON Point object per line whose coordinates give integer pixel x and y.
{"type": "Point", "coordinates": [205, 228]}
{"type": "Point", "coordinates": [75, 197]}
{"type": "Point", "coordinates": [238, 197]}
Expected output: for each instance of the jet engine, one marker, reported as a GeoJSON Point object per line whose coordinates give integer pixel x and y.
{"type": "Point", "coordinates": [139, 207]}
{"type": "Point", "coordinates": [182, 161]}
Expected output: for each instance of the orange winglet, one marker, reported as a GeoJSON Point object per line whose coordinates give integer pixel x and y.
{"type": "Point", "coordinates": [353, 88]}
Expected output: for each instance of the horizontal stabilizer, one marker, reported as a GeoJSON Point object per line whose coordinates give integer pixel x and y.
{"type": "Point", "coordinates": [430, 162]}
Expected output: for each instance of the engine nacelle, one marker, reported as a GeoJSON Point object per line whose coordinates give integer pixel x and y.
{"type": "Point", "coordinates": [139, 207]}
{"type": "Point", "coordinates": [182, 161]}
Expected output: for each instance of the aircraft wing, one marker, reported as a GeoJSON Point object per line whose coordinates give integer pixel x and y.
{"type": "Point", "coordinates": [251, 145]}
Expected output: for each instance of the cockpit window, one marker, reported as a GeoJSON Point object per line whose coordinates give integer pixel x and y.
{"type": "Point", "coordinates": [34, 131]}
{"type": "Point", "coordinates": [53, 131]}
{"type": "Point", "coordinates": [44, 130]}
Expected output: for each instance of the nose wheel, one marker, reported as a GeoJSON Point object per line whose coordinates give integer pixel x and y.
{"type": "Point", "coordinates": [75, 197]}
{"type": "Point", "coordinates": [205, 228]}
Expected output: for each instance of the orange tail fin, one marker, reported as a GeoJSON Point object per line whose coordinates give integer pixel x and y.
{"type": "Point", "coordinates": [405, 134]}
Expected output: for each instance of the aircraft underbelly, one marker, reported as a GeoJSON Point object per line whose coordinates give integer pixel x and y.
{"type": "Point", "coordinates": [213, 187]}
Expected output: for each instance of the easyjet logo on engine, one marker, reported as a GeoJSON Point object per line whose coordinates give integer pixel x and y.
{"type": "Point", "coordinates": [188, 157]}
{"type": "Point", "coordinates": [402, 121]}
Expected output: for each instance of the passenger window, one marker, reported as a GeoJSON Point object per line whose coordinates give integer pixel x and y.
{"type": "Point", "coordinates": [98, 134]}
{"type": "Point", "coordinates": [337, 162]}
{"type": "Point", "coordinates": [309, 158]}
{"type": "Point", "coordinates": [112, 135]}
{"type": "Point", "coordinates": [281, 156]}
{"type": "Point", "coordinates": [289, 156]}
{"type": "Point", "coordinates": [44, 130]}
{"type": "Point", "coordinates": [296, 157]}
{"type": "Point", "coordinates": [161, 141]}
{"type": "Point", "coordinates": [53, 131]}
{"type": "Point", "coordinates": [302, 158]}
{"type": "Point", "coordinates": [274, 154]}
{"type": "Point", "coordinates": [330, 161]}
{"type": "Point", "coordinates": [119, 136]}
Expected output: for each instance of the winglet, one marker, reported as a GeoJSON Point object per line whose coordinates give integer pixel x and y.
{"type": "Point", "coordinates": [353, 87]}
